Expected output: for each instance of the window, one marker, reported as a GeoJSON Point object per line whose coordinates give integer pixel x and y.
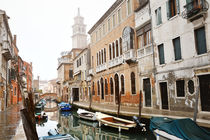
{"type": "Point", "coordinates": [140, 40]}
{"type": "Point", "coordinates": [100, 33]}
{"type": "Point", "coordinates": [111, 87]}
{"type": "Point", "coordinates": [172, 7]}
{"type": "Point", "coordinates": [109, 25]}
{"type": "Point", "coordinates": [104, 54]}
{"type": "Point", "coordinates": [180, 88]}
{"type": "Point", "coordinates": [200, 40]}
{"type": "Point", "coordinates": [113, 20]}
{"type": "Point", "coordinates": [191, 86]}
{"type": "Point", "coordinates": [93, 89]}
{"type": "Point", "coordinates": [113, 50]}
{"type": "Point", "coordinates": [158, 16]}
{"type": "Point", "coordinates": [15, 91]}
{"type": "Point", "coordinates": [119, 15]}
{"type": "Point", "coordinates": [110, 51]}
{"type": "Point", "coordinates": [70, 74]}
{"type": "Point", "coordinates": [104, 29]}
{"type": "Point", "coordinates": [122, 84]}
{"type": "Point", "coordinates": [177, 48]}
{"type": "Point", "coordinates": [120, 46]}
{"type": "Point", "coordinates": [161, 54]}
{"type": "Point", "coordinates": [128, 7]}
{"type": "Point", "coordinates": [102, 88]}
{"type": "Point", "coordinates": [97, 59]}
{"type": "Point", "coordinates": [98, 88]}
{"type": "Point", "coordinates": [106, 87]}
{"type": "Point", "coordinates": [117, 51]}
{"type": "Point", "coordinates": [133, 83]}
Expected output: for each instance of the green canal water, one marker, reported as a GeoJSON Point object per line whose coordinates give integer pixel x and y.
{"type": "Point", "coordinates": [69, 122]}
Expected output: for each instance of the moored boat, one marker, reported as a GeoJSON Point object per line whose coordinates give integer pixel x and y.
{"type": "Point", "coordinates": [177, 129]}
{"type": "Point", "coordinates": [65, 106]}
{"type": "Point", "coordinates": [87, 115]}
{"type": "Point", "coordinates": [115, 122]}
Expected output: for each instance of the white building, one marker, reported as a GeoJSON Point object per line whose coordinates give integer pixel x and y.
{"type": "Point", "coordinates": [181, 31]}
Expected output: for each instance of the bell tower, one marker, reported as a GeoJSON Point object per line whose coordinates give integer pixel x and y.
{"type": "Point", "coordinates": [79, 37]}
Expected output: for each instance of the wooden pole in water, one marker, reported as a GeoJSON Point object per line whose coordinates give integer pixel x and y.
{"type": "Point", "coordinates": [30, 130]}
{"type": "Point", "coordinates": [196, 103]}
{"type": "Point", "coordinates": [119, 102]}
{"type": "Point", "coordinates": [140, 98]}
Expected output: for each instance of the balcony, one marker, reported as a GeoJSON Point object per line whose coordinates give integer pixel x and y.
{"type": "Point", "coordinates": [101, 67]}
{"type": "Point", "coordinates": [91, 72]}
{"type": "Point", "coordinates": [89, 78]}
{"type": "Point", "coordinates": [195, 9]}
{"type": "Point", "coordinates": [130, 56]}
{"type": "Point", "coordinates": [115, 62]}
{"type": "Point", "coordinates": [7, 52]}
{"type": "Point", "coordinates": [64, 60]}
{"type": "Point", "coordinates": [144, 51]}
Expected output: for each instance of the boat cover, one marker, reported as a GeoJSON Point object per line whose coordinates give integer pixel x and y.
{"type": "Point", "coordinates": [185, 129]}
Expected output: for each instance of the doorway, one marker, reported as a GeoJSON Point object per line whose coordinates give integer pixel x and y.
{"type": "Point", "coordinates": [204, 81]}
{"type": "Point", "coordinates": [75, 94]}
{"type": "Point", "coordinates": [164, 95]}
{"type": "Point", "coordinates": [147, 91]}
{"type": "Point", "coordinates": [116, 80]}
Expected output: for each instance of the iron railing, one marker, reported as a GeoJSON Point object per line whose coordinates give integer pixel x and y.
{"type": "Point", "coordinates": [195, 7]}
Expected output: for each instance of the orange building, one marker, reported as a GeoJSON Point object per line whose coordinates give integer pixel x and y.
{"type": "Point", "coordinates": [27, 68]}
{"type": "Point", "coordinates": [114, 68]}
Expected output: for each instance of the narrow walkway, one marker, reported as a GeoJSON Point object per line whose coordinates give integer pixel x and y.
{"type": "Point", "coordinates": [203, 119]}
{"type": "Point", "coordinates": [10, 123]}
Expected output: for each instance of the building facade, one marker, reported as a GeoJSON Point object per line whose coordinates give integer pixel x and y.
{"type": "Point", "coordinates": [113, 55]}
{"type": "Point", "coordinates": [182, 54]}
{"type": "Point", "coordinates": [80, 88]}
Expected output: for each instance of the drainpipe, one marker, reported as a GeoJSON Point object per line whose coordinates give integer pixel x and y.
{"type": "Point", "coordinates": [6, 85]}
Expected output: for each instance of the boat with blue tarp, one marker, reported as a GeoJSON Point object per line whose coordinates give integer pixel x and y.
{"type": "Point", "coordinates": [65, 106]}
{"type": "Point", "coordinates": [177, 129]}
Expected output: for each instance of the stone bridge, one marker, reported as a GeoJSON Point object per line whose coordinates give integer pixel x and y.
{"type": "Point", "coordinates": [48, 96]}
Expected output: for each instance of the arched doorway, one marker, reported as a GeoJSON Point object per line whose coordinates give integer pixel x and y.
{"type": "Point", "coordinates": [116, 80]}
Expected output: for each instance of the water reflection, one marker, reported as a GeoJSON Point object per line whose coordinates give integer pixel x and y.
{"type": "Point", "coordinates": [69, 122]}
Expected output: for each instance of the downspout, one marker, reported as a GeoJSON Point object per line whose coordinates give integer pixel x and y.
{"type": "Point", "coordinates": [6, 84]}
{"type": "Point", "coordinates": [153, 50]}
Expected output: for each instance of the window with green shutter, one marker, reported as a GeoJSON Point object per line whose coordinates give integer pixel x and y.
{"type": "Point", "coordinates": [177, 48]}
{"type": "Point", "coordinates": [200, 41]}
{"type": "Point", "coordinates": [158, 16]}
{"type": "Point", "coordinates": [161, 54]}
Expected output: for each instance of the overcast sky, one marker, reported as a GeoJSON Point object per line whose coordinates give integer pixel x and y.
{"type": "Point", "coordinates": [44, 28]}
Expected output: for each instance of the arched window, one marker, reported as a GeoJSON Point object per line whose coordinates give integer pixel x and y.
{"type": "Point", "coordinates": [102, 88]}
{"type": "Point", "coordinates": [113, 50]}
{"type": "Point", "coordinates": [110, 51]}
{"type": "Point", "coordinates": [120, 46]}
{"type": "Point", "coordinates": [104, 54]}
{"type": "Point", "coordinates": [98, 88]}
{"type": "Point", "coordinates": [99, 58]}
{"type": "Point", "coordinates": [106, 87]}
{"type": "Point", "coordinates": [111, 87]}
{"type": "Point", "coordinates": [102, 57]}
{"type": "Point", "coordinates": [117, 51]}
{"type": "Point", "coordinates": [133, 83]}
{"type": "Point", "coordinates": [122, 84]}
{"type": "Point", "coordinates": [93, 89]}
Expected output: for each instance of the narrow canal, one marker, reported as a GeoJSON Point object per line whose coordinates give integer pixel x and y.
{"type": "Point", "coordinates": [69, 122]}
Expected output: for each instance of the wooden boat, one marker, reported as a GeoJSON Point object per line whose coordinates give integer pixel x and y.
{"type": "Point", "coordinates": [87, 115]}
{"type": "Point", "coordinates": [115, 122]}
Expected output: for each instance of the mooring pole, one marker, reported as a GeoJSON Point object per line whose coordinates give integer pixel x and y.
{"type": "Point", "coordinates": [119, 102]}
{"type": "Point", "coordinates": [140, 98]}
{"type": "Point", "coordinates": [196, 103]}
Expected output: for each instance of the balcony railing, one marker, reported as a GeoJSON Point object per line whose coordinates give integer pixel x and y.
{"type": "Point", "coordinates": [7, 50]}
{"type": "Point", "coordinates": [195, 9]}
{"type": "Point", "coordinates": [64, 60]}
{"type": "Point", "coordinates": [101, 67]}
{"type": "Point", "coordinates": [116, 61]}
{"type": "Point", "coordinates": [145, 51]}
{"type": "Point", "coordinates": [130, 56]}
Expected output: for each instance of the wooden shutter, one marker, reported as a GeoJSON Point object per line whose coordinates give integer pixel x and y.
{"type": "Point", "coordinates": [177, 48]}
{"type": "Point", "coordinates": [200, 40]}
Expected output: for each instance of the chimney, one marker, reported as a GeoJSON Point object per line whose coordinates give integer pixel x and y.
{"type": "Point", "coordinates": [15, 39]}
